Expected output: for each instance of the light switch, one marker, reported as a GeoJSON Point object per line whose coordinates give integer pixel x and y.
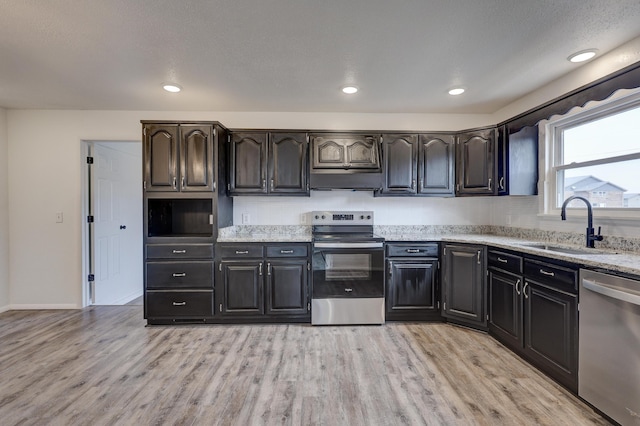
{"type": "Point", "coordinates": [59, 217]}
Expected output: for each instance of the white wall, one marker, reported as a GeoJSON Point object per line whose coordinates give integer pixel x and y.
{"type": "Point", "coordinates": [4, 214]}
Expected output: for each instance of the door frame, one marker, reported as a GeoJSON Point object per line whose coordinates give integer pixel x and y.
{"type": "Point", "coordinates": [88, 261]}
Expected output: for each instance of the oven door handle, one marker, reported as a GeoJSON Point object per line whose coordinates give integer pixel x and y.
{"type": "Point", "coordinates": [348, 245]}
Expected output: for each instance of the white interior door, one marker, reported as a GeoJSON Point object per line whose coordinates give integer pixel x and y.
{"type": "Point", "coordinates": [117, 229]}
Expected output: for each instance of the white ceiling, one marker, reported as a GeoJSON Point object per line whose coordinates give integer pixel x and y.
{"type": "Point", "coordinates": [294, 55]}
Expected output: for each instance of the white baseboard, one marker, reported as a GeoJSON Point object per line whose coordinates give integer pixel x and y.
{"type": "Point", "coordinates": [41, 307]}
{"type": "Point", "coordinates": [4, 308]}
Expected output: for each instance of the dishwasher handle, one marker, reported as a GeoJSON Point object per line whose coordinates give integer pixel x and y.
{"type": "Point", "coordinates": [611, 292]}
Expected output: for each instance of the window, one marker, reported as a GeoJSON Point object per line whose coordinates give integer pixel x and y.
{"type": "Point", "coordinates": [595, 154]}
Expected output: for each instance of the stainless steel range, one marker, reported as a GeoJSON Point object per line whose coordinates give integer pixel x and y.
{"type": "Point", "coordinates": [348, 269]}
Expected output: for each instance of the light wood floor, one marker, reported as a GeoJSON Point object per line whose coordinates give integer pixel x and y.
{"type": "Point", "coordinates": [102, 366]}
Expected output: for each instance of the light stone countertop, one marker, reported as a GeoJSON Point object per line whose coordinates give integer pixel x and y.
{"type": "Point", "coordinates": [609, 259]}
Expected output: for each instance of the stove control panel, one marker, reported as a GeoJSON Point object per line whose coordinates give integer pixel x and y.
{"type": "Point", "coordinates": [342, 218]}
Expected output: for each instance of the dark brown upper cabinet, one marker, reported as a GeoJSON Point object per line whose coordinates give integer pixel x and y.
{"type": "Point", "coordinates": [248, 160]}
{"type": "Point", "coordinates": [263, 163]}
{"type": "Point", "coordinates": [475, 168]}
{"type": "Point", "coordinates": [418, 164]}
{"type": "Point", "coordinates": [288, 164]}
{"type": "Point", "coordinates": [349, 151]}
{"type": "Point", "coordinates": [399, 163]}
{"type": "Point", "coordinates": [178, 158]}
{"type": "Point", "coordinates": [435, 165]}
{"type": "Point", "coordinates": [517, 161]}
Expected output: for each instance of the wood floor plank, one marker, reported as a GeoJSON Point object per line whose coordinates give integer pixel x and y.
{"type": "Point", "coordinates": [102, 366]}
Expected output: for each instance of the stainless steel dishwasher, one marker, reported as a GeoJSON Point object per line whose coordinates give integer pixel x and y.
{"type": "Point", "coordinates": [609, 345]}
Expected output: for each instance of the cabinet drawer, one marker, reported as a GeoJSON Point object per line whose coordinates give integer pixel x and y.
{"type": "Point", "coordinates": [183, 304]}
{"type": "Point", "coordinates": [555, 276]}
{"type": "Point", "coordinates": [505, 261]}
{"type": "Point", "coordinates": [412, 250]}
{"type": "Point", "coordinates": [298, 250]}
{"type": "Point", "coordinates": [240, 251]}
{"type": "Point", "coordinates": [179, 251]}
{"type": "Point", "coordinates": [179, 274]}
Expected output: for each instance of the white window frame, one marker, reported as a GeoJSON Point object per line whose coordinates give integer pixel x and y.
{"type": "Point", "coordinates": [550, 138]}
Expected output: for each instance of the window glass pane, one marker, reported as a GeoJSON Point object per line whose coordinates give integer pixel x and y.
{"type": "Point", "coordinates": [614, 135]}
{"type": "Point", "coordinates": [613, 185]}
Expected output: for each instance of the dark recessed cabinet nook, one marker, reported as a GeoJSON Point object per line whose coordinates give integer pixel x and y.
{"type": "Point", "coordinates": [192, 171]}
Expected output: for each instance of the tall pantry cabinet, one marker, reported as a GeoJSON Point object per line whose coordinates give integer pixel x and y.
{"type": "Point", "coordinates": [185, 203]}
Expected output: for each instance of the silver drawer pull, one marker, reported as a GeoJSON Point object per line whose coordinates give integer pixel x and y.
{"type": "Point", "coordinates": [286, 251]}
{"type": "Point", "coordinates": [413, 250]}
{"type": "Point", "coordinates": [348, 290]}
{"type": "Point", "coordinates": [550, 274]}
{"type": "Point", "coordinates": [179, 251]}
{"type": "Point", "coordinates": [179, 274]}
{"type": "Point", "coordinates": [501, 260]}
{"type": "Point", "coordinates": [242, 251]}
{"type": "Point", "coordinates": [179, 303]}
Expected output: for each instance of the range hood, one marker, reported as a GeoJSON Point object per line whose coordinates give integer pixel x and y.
{"type": "Point", "coordinates": [345, 161]}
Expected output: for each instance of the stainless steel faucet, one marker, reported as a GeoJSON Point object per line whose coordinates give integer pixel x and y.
{"type": "Point", "coordinates": [591, 236]}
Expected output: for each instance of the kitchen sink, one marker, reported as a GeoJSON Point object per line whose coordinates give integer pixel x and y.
{"type": "Point", "coordinates": [566, 250]}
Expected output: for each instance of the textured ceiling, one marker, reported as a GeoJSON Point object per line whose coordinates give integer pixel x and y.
{"type": "Point", "coordinates": [294, 55]}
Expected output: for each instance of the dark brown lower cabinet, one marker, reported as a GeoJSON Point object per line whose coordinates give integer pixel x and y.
{"type": "Point", "coordinates": [533, 310]}
{"type": "Point", "coordinates": [263, 283]}
{"type": "Point", "coordinates": [412, 282]}
{"type": "Point", "coordinates": [463, 284]}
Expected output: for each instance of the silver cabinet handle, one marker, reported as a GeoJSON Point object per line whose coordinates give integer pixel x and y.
{"type": "Point", "coordinates": [550, 274]}
{"type": "Point", "coordinates": [179, 303]}
{"type": "Point", "coordinates": [390, 268]}
{"type": "Point", "coordinates": [179, 274]}
{"type": "Point", "coordinates": [518, 287]}
{"type": "Point", "coordinates": [348, 290]}
{"type": "Point", "coordinates": [413, 250]}
{"type": "Point", "coordinates": [179, 251]}
{"type": "Point", "coordinates": [175, 183]}
{"type": "Point", "coordinates": [182, 182]}
{"type": "Point", "coordinates": [264, 184]}
{"type": "Point", "coordinates": [501, 182]}
{"type": "Point", "coordinates": [501, 260]}
{"type": "Point", "coordinates": [272, 184]}
{"type": "Point", "coordinates": [524, 290]}
{"type": "Point", "coordinates": [269, 268]}
{"type": "Point", "coordinates": [242, 251]}
{"type": "Point", "coordinates": [490, 188]}
{"type": "Point", "coordinates": [413, 184]}
{"type": "Point", "coordinates": [286, 251]}
{"type": "Point", "coordinates": [260, 268]}
{"type": "Point", "coordinates": [478, 257]}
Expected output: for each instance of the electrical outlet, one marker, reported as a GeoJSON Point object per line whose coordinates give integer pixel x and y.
{"type": "Point", "coordinates": [59, 217]}
{"type": "Point", "coordinates": [246, 218]}
{"type": "Point", "coordinates": [303, 218]}
{"type": "Point", "coordinates": [508, 219]}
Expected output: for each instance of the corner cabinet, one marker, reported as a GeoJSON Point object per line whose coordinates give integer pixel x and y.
{"type": "Point", "coordinates": [463, 284]}
{"type": "Point", "coordinates": [476, 162]}
{"type": "Point", "coordinates": [268, 163]}
{"type": "Point", "coordinates": [179, 158]}
{"type": "Point", "coordinates": [420, 164]}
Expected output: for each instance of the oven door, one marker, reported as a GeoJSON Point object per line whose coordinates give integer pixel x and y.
{"type": "Point", "coordinates": [348, 270]}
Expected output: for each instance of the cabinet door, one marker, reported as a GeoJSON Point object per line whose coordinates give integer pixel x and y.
{"type": "Point", "coordinates": [287, 287]}
{"type": "Point", "coordinates": [476, 163]}
{"type": "Point", "coordinates": [550, 322]}
{"type": "Point", "coordinates": [240, 285]}
{"type": "Point", "coordinates": [345, 151]}
{"type": "Point", "coordinates": [399, 154]}
{"type": "Point", "coordinates": [411, 289]}
{"type": "Point", "coordinates": [464, 284]}
{"type": "Point", "coordinates": [160, 157]}
{"type": "Point", "coordinates": [436, 164]}
{"type": "Point", "coordinates": [196, 158]}
{"type": "Point", "coordinates": [248, 161]}
{"type": "Point", "coordinates": [505, 307]}
{"type": "Point", "coordinates": [288, 163]}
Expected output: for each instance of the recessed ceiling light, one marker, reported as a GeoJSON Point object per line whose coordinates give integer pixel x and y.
{"type": "Point", "coordinates": [171, 87]}
{"type": "Point", "coordinates": [349, 90]}
{"type": "Point", "coordinates": [583, 55]}
{"type": "Point", "coordinates": [456, 91]}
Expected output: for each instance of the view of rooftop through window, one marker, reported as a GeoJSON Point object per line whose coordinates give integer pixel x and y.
{"type": "Point", "coordinates": [600, 161]}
